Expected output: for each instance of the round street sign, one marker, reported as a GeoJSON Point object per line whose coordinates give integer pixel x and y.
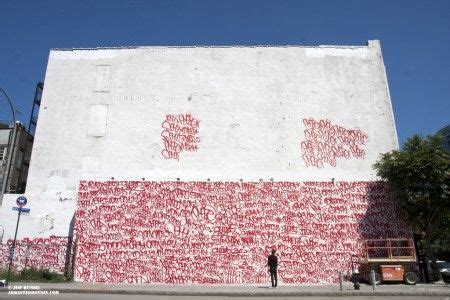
{"type": "Point", "coordinates": [21, 201]}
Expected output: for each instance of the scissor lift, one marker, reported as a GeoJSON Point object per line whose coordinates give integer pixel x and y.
{"type": "Point", "coordinates": [393, 260]}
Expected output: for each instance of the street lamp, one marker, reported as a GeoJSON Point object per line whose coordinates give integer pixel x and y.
{"type": "Point", "coordinates": [9, 154]}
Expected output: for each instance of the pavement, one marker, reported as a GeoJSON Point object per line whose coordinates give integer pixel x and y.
{"type": "Point", "coordinates": [325, 290]}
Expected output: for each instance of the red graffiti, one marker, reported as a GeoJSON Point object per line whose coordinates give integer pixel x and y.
{"type": "Point", "coordinates": [179, 133]}
{"type": "Point", "coordinates": [324, 143]}
{"type": "Point", "coordinates": [47, 253]}
{"type": "Point", "coordinates": [222, 232]}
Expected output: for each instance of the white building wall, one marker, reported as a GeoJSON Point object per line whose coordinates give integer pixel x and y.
{"type": "Point", "coordinates": [102, 112]}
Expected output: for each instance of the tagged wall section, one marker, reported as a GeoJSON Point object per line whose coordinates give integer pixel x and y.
{"type": "Point", "coordinates": [222, 232]}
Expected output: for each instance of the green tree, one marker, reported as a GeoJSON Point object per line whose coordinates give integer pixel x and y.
{"type": "Point", "coordinates": [419, 175]}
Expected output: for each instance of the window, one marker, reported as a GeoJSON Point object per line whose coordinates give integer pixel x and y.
{"type": "Point", "coordinates": [2, 153]}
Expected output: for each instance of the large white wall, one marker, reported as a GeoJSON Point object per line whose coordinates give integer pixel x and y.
{"type": "Point", "coordinates": [250, 102]}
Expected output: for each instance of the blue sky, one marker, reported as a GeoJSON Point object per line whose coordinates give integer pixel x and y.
{"type": "Point", "coordinates": [415, 39]}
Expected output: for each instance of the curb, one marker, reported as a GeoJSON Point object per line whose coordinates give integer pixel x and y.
{"type": "Point", "coordinates": [248, 294]}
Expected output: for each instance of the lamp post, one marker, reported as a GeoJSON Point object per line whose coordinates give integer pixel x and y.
{"type": "Point", "coordinates": [10, 104]}
{"type": "Point", "coordinates": [9, 152]}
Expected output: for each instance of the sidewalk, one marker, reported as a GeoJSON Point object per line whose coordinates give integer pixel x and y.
{"type": "Point", "coordinates": [240, 290]}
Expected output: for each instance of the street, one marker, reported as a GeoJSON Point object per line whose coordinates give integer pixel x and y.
{"type": "Point", "coordinates": [155, 297]}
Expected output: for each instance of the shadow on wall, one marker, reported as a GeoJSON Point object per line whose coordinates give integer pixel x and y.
{"type": "Point", "coordinates": [384, 230]}
{"type": "Point", "coordinates": [70, 251]}
{"type": "Point", "coordinates": [382, 220]}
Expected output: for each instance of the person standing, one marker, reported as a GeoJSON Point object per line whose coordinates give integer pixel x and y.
{"type": "Point", "coordinates": [272, 263]}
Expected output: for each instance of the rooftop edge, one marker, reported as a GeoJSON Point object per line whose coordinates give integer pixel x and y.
{"type": "Point", "coordinates": [370, 43]}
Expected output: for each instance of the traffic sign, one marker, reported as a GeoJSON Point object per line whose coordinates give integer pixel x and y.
{"type": "Point", "coordinates": [21, 201]}
{"type": "Point", "coordinates": [27, 210]}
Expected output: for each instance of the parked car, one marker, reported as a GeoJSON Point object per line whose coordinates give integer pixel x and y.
{"type": "Point", "coordinates": [443, 265]}
{"type": "Point", "coordinates": [446, 276]}
{"type": "Point", "coordinates": [444, 268]}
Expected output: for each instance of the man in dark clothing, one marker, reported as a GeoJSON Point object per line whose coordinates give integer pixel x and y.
{"type": "Point", "coordinates": [273, 264]}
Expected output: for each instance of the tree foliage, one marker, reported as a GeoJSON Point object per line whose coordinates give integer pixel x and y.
{"type": "Point", "coordinates": [419, 175]}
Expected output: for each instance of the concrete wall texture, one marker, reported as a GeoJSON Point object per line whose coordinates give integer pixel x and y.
{"type": "Point", "coordinates": [193, 133]}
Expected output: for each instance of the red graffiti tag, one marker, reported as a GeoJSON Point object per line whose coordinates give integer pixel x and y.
{"type": "Point", "coordinates": [324, 143]}
{"type": "Point", "coordinates": [222, 232]}
{"type": "Point", "coordinates": [179, 133]}
{"type": "Point", "coordinates": [47, 253]}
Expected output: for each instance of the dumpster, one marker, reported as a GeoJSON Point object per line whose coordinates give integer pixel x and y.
{"type": "Point", "coordinates": [392, 272]}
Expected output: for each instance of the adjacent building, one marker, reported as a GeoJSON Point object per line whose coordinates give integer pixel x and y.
{"type": "Point", "coordinates": [15, 152]}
